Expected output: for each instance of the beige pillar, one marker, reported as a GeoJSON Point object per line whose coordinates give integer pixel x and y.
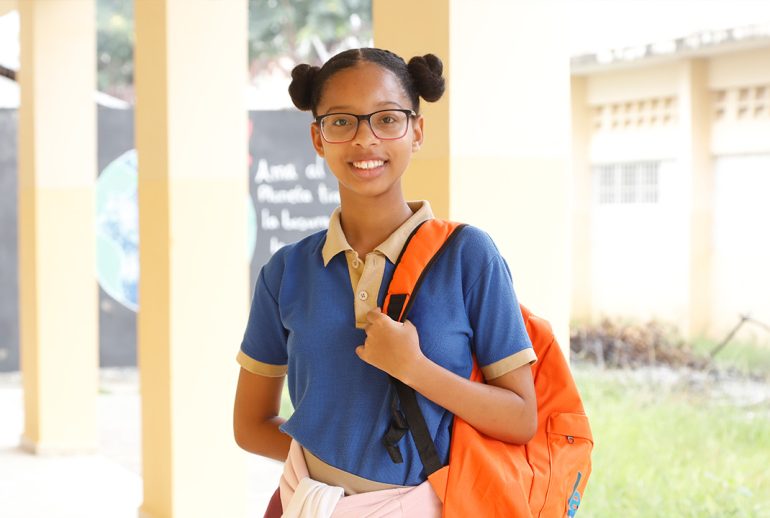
{"type": "Point", "coordinates": [501, 136]}
{"type": "Point", "coordinates": [57, 257]}
{"type": "Point", "coordinates": [191, 136]}
{"type": "Point", "coordinates": [414, 35]}
{"type": "Point", "coordinates": [6, 6]}
{"type": "Point", "coordinates": [582, 196]}
{"type": "Point", "coordinates": [695, 125]}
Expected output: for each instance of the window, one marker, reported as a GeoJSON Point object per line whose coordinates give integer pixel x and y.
{"type": "Point", "coordinates": [742, 103]}
{"type": "Point", "coordinates": [655, 112]}
{"type": "Point", "coordinates": [627, 182]}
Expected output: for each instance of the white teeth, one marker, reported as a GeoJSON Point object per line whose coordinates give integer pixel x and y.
{"type": "Point", "coordinates": [368, 164]}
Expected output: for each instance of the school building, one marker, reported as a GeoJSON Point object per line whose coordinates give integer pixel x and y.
{"type": "Point", "coordinates": [491, 135]}
{"type": "Point", "coordinates": [661, 214]}
{"type": "Point", "coordinates": [671, 165]}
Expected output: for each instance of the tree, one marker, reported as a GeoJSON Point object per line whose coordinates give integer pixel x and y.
{"type": "Point", "coordinates": [115, 47]}
{"type": "Point", "coordinates": [307, 31]}
{"type": "Point", "coordinates": [282, 33]}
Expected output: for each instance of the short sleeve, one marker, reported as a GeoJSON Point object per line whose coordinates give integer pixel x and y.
{"type": "Point", "coordinates": [500, 338]}
{"type": "Point", "coordinates": [263, 350]}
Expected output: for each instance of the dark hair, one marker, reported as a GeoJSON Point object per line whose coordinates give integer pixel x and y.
{"type": "Point", "coordinates": [420, 78]}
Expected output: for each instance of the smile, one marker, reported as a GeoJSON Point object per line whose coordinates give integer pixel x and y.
{"type": "Point", "coordinates": [368, 164]}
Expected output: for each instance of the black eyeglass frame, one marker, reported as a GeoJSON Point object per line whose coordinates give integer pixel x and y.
{"type": "Point", "coordinates": [368, 119]}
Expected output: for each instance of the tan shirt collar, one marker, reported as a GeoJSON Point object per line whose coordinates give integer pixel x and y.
{"type": "Point", "coordinates": [336, 241]}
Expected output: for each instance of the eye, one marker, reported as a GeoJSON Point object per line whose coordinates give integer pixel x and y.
{"type": "Point", "coordinates": [388, 118]}
{"type": "Point", "coordinates": [339, 122]}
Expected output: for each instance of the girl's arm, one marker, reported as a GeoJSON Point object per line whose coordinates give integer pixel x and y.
{"type": "Point", "coordinates": [503, 408]}
{"type": "Point", "coordinates": [255, 417]}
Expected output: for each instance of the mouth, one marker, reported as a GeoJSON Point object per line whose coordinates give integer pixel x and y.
{"type": "Point", "coordinates": [368, 168]}
{"type": "Point", "coordinates": [368, 164]}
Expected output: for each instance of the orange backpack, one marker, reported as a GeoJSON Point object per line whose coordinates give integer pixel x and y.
{"type": "Point", "coordinates": [487, 477]}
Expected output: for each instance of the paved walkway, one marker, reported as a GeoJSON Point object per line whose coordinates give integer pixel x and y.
{"type": "Point", "coordinates": [104, 485]}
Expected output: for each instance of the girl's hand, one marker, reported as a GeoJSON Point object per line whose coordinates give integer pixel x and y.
{"type": "Point", "coordinates": [390, 346]}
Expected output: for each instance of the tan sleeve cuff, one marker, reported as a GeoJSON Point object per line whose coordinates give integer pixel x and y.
{"type": "Point", "coordinates": [263, 369]}
{"type": "Point", "coordinates": [500, 367]}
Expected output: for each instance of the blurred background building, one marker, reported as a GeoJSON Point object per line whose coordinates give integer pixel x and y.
{"type": "Point", "coordinates": [672, 169]}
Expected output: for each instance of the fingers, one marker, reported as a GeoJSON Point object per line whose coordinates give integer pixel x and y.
{"type": "Point", "coordinates": [374, 315]}
{"type": "Point", "coordinates": [363, 354]}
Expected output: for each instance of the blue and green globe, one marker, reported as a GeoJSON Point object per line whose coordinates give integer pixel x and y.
{"type": "Point", "coordinates": [117, 230]}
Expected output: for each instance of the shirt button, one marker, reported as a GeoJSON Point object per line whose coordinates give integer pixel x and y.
{"type": "Point", "coordinates": [356, 263]}
{"type": "Point", "coordinates": [363, 295]}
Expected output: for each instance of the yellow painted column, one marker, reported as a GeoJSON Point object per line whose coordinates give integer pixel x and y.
{"type": "Point", "coordinates": [413, 35]}
{"type": "Point", "coordinates": [57, 258]}
{"type": "Point", "coordinates": [505, 156]}
{"type": "Point", "coordinates": [582, 196]}
{"type": "Point", "coordinates": [7, 6]}
{"type": "Point", "coordinates": [695, 125]}
{"type": "Point", "coordinates": [191, 137]}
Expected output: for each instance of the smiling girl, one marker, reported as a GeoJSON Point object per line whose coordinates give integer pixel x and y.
{"type": "Point", "coordinates": [315, 314]}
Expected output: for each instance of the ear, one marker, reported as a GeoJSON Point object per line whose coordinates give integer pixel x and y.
{"type": "Point", "coordinates": [315, 136]}
{"type": "Point", "coordinates": [417, 133]}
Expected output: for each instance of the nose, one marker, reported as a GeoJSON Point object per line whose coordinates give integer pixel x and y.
{"type": "Point", "coordinates": [364, 134]}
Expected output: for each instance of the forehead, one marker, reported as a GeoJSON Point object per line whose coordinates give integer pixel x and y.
{"type": "Point", "coordinates": [361, 88]}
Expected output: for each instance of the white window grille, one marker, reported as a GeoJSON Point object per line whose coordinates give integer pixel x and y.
{"type": "Point", "coordinates": [628, 182]}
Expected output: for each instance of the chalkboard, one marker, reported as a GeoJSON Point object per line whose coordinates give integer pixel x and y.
{"type": "Point", "coordinates": [293, 191]}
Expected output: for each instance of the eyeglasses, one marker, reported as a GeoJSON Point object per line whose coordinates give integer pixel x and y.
{"type": "Point", "coordinates": [337, 128]}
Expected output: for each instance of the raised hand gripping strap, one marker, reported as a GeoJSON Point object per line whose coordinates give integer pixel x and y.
{"type": "Point", "coordinates": [422, 248]}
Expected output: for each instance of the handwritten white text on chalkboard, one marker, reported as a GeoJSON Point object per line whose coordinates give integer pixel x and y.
{"type": "Point", "coordinates": [275, 244]}
{"type": "Point", "coordinates": [316, 170]}
{"type": "Point", "coordinates": [275, 173]}
{"type": "Point", "coordinates": [286, 221]}
{"type": "Point", "coordinates": [302, 223]}
{"type": "Point", "coordinates": [297, 194]}
{"type": "Point", "coordinates": [325, 195]}
{"type": "Point", "coordinates": [269, 221]}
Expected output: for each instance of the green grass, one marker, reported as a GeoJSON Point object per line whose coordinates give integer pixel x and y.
{"type": "Point", "coordinates": [745, 358]}
{"type": "Point", "coordinates": [671, 452]}
{"type": "Point", "coordinates": [286, 407]}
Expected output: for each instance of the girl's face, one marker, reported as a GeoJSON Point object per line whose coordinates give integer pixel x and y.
{"type": "Point", "coordinates": [367, 166]}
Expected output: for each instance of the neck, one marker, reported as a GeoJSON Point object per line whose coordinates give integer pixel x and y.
{"type": "Point", "coordinates": [367, 222]}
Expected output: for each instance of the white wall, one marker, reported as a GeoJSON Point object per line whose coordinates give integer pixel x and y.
{"type": "Point", "coordinates": [640, 254]}
{"type": "Point", "coordinates": [741, 272]}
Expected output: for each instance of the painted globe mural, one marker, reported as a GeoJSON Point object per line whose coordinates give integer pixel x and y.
{"type": "Point", "coordinates": [117, 230]}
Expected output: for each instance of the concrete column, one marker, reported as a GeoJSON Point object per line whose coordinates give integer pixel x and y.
{"type": "Point", "coordinates": [500, 139]}
{"type": "Point", "coordinates": [191, 135]}
{"type": "Point", "coordinates": [582, 201]}
{"type": "Point", "coordinates": [695, 124]}
{"type": "Point", "coordinates": [57, 257]}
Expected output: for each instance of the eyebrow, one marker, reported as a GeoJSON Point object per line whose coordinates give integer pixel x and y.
{"type": "Point", "coordinates": [335, 109]}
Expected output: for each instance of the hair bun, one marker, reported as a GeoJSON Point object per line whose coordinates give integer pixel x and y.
{"type": "Point", "coordinates": [426, 73]}
{"type": "Point", "coordinates": [301, 87]}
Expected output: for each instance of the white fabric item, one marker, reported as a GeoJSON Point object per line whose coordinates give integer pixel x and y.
{"type": "Point", "coordinates": [301, 496]}
{"type": "Point", "coordinates": [313, 499]}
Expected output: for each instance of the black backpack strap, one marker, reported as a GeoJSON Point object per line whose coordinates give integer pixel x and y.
{"type": "Point", "coordinates": [397, 307]}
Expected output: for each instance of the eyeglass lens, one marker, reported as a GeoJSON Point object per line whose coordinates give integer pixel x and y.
{"type": "Point", "coordinates": [342, 127]}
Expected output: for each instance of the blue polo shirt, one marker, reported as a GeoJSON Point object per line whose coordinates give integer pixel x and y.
{"type": "Point", "coordinates": [302, 322]}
